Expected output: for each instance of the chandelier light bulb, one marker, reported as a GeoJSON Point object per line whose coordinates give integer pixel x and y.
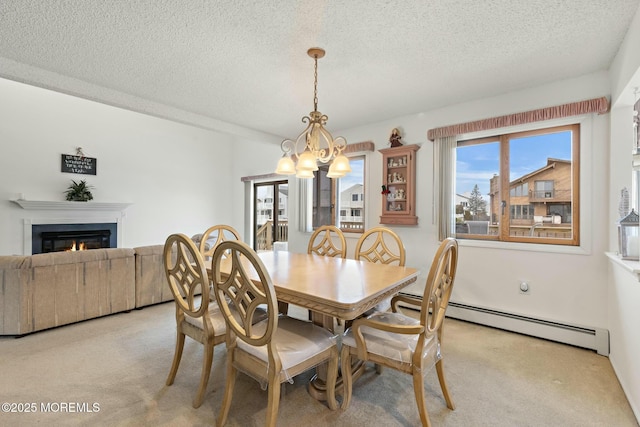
{"type": "Point", "coordinates": [307, 162]}
{"type": "Point", "coordinates": [286, 166]}
{"type": "Point", "coordinates": [304, 174]}
{"type": "Point", "coordinates": [341, 164]}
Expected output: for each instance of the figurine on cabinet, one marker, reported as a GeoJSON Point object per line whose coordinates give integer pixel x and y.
{"type": "Point", "coordinates": [395, 138]}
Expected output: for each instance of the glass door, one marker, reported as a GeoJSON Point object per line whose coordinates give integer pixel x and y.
{"type": "Point", "coordinates": [271, 220]}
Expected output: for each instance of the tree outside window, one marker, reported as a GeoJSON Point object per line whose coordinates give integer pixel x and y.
{"type": "Point", "coordinates": [519, 187]}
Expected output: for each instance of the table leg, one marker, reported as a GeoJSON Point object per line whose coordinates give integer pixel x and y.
{"type": "Point", "coordinates": [318, 383]}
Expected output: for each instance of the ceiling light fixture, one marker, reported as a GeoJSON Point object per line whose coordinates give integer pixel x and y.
{"type": "Point", "coordinates": [315, 143]}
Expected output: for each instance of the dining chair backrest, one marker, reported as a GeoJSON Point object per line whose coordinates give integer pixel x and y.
{"type": "Point", "coordinates": [214, 236]}
{"type": "Point", "coordinates": [186, 274]}
{"type": "Point", "coordinates": [243, 292]}
{"type": "Point", "coordinates": [327, 240]}
{"type": "Point", "coordinates": [439, 286]}
{"type": "Point", "coordinates": [380, 245]}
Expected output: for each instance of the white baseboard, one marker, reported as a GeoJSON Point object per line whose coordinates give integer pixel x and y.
{"type": "Point", "coordinates": [580, 336]}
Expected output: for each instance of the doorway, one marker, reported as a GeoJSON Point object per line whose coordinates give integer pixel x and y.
{"type": "Point", "coordinates": [271, 220]}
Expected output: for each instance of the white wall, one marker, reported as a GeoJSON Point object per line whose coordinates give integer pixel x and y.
{"type": "Point", "coordinates": [625, 69]}
{"type": "Point", "coordinates": [566, 287]}
{"type": "Point", "coordinates": [624, 308]}
{"type": "Point", "coordinates": [176, 176]}
{"type": "Point", "coordinates": [623, 298]}
{"type": "Point", "coordinates": [251, 158]}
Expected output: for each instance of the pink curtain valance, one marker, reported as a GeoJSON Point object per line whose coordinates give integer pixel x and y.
{"type": "Point", "coordinates": [596, 105]}
{"type": "Point", "coordinates": [360, 146]}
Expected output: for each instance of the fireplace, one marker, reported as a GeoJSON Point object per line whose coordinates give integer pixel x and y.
{"type": "Point", "coordinates": [64, 237]}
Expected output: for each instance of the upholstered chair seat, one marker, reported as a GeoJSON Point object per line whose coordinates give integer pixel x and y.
{"type": "Point", "coordinates": [395, 346]}
{"type": "Point", "coordinates": [295, 341]}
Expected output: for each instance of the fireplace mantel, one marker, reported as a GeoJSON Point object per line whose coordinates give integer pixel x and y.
{"type": "Point", "coordinates": [42, 205]}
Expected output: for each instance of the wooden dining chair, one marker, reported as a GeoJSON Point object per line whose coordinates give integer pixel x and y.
{"type": "Point", "coordinates": [327, 240]}
{"type": "Point", "coordinates": [404, 343]}
{"type": "Point", "coordinates": [196, 316]}
{"type": "Point", "coordinates": [214, 236]}
{"type": "Point", "coordinates": [383, 246]}
{"type": "Point", "coordinates": [380, 245]}
{"type": "Point", "coordinates": [274, 350]}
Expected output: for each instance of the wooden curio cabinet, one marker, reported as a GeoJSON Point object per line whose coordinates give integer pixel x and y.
{"type": "Point", "coordinates": [399, 175]}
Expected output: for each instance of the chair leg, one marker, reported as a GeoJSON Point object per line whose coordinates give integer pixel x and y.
{"type": "Point", "coordinates": [228, 391]}
{"type": "Point", "coordinates": [332, 374]}
{"type": "Point", "coordinates": [177, 355]}
{"type": "Point", "coordinates": [347, 379]}
{"type": "Point", "coordinates": [207, 360]}
{"type": "Point", "coordinates": [418, 390]}
{"type": "Point", "coordinates": [443, 385]}
{"type": "Point", "coordinates": [273, 402]}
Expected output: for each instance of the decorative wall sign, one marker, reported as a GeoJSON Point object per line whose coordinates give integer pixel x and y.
{"type": "Point", "coordinates": [78, 164]}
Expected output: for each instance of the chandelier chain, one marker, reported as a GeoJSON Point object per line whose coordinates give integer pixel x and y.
{"type": "Point", "coordinates": [315, 83]}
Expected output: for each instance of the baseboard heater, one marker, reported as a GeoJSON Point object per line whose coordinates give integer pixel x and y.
{"type": "Point", "coordinates": [580, 336]}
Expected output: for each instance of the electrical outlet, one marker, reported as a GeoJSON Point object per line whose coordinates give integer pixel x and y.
{"type": "Point", "coordinates": [525, 288]}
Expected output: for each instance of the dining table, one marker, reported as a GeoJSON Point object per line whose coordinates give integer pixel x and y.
{"type": "Point", "coordinates": [331, 288]}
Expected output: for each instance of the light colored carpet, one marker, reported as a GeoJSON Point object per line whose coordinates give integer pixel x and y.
{"type": "Point", "coordinates": [121, 362]}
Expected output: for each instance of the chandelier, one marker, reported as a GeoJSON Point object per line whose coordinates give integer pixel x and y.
{"type": "Point", "coordinates": [315, 143]}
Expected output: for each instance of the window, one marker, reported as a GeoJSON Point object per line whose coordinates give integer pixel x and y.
{"type": "Point", "coordinates": [519, 190]}
{"type": "Point", "coordinates": [539, 168]}
{"type": "Point", "coordinates": [323, 198]}
{"type": "Point", "coordinates": [522, 211]}
{"type": "Point", "coordinates": [344, 196]}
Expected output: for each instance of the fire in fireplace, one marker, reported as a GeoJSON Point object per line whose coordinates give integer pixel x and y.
{"type": "Point", "coordinates": [81, 247]}
{"type": "Point", "coordinates": [67, 237]}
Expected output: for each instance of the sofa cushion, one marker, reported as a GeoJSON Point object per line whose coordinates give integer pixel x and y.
{"type": "Point", "coordinates": [13, 262]}
{"type": "Point", "coordinates": [151, 280]}
{"type": "Point", "coordinates": [72, 257]}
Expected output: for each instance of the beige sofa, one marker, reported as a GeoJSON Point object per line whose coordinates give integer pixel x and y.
{"type": "Point", "coordinates": [47, 290]}
{"type": "Point", "coordinates": [151, 281]}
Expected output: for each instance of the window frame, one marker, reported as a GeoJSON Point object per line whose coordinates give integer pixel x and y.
{"type": "Point", "coordinates": [503, 136]}
{"type": "Point", "coordinates": [277, 208]}
{"type": "Point", "coordinates": [335, 197]}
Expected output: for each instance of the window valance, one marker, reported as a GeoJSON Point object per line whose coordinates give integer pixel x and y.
{"type": "Point", "coordinates": [596, 105]}
{"type": "Point", "coordinates": [360, 146]}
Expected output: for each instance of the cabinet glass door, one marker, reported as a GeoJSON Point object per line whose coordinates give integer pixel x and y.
{"type": "Point", "coordinates": [396, 184]}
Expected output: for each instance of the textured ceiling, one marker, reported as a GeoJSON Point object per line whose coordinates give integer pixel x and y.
{"type": "Point", "coordinates": [229, 64]}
